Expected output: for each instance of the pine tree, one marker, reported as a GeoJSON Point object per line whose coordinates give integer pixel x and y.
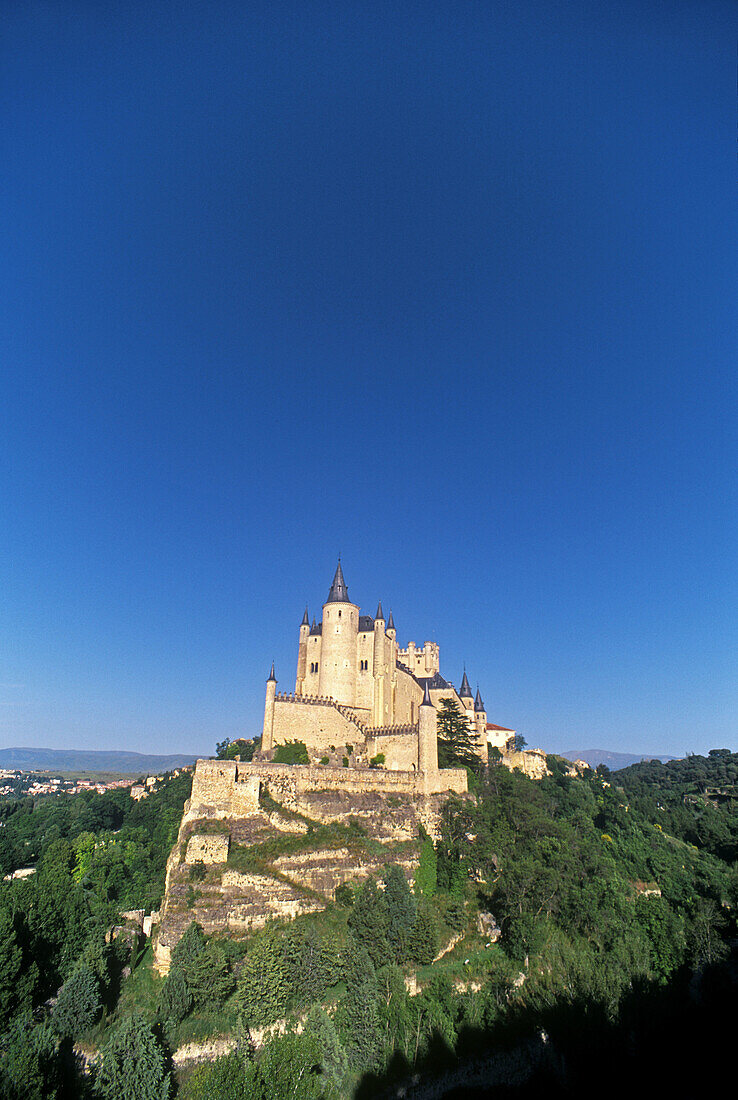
{"type": "Point", "coordinates": [400, 911]}
{"type": "Point", "coordinates": [369, 921]}
{"type": "Point", "coordinates": [133, 1064]}
{"type": "Point", "coordinates": [11, 962]}
{"type": "Point", "coordinates": [263, 987]}
{"type": "Point", "coordinates": [78, 1006]}
{"type": "Point", "coordinates": [456, 743]}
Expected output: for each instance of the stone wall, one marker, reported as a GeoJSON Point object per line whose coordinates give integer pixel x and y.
{"type": "Point", "coordinates": [400, 749]}
{"type": "Point", "coordinates": [207, 848]}
{"type": "Point", "coordinates": [234, 787]}
{"type": "Point", "coordinates": [319, 726]}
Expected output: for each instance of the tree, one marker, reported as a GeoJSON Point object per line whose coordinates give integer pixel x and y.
{"type": "Point", "coordinates": [78, 1006]}
{"type": "Point", "coordinates": [400, 911]}
{"type": "Point", "coordinates": [426, 878]}
{"type": "Point", "coordinates": [175, 1000]}
{"type": "Point", "coordinates": [263, 986]}
{"type": "Point", "coordinates": [209, 977]}
{"type": "Point", "coordinates": [189, 948]}
{"type": "Point", "coordinates": [357, 1016]}
{"type": "Point", "coordinates": [518, 742]}
{"type": "Point", "coordinates": [30, 1068]}
{"type": "Point", "coordinates": [423, 943]}
{"type": "Point", "coordinates": [11, 963]}
{"type": "Point", "coordinates": [369, 921]}
{"type": "Point", "coordinates": [456, 743]}
{"type": "Point", "coordinates": [133, 1065]}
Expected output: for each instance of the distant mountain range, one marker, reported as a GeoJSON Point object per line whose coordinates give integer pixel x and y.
{"type": "Point", "coordinates": [90, 760]}
{"type": "Point", "coordinates": [613, 760]}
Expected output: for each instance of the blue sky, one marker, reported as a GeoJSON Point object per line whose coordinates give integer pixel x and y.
{"type": "Point", "coordinates": [447, 288]}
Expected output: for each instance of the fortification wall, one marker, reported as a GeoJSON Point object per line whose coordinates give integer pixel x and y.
{"type": "Point", "coordinates": [228, 785]}
{"type": "Point", "coordinates": [400, 749]}
{"type": "Point", "coordinates": [317, 725]}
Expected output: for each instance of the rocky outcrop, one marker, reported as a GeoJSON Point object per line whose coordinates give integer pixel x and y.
{"type": "Point", "coordinates": [218, 875]}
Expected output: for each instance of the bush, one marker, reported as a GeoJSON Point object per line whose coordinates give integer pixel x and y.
{"type": "Point", "coordinates": [292, 752]}
{"type": "Point", "coordinates": [377, 761]}
{"type": "Point", "coordinates": [345, 761]}
{"type": "Point", "coordinates": [325, 759]}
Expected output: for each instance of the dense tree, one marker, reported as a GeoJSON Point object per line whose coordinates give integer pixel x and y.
{"type": "Point", "coordinates": [401, 910]}
{"type": "Point", "coordinates": [30, 1066]}
{"type": "Point", "coordinates": [78, 1004]}
{"type": "Point", "coordinates": [263, 986]}
{"type": "Point", "coordinates": [11, 964]}
{"type": "Point", "coordinates": [369, 921]}
{"type": "Point", "coordinates": [133, 1066]}
{"type": "Point", "coordinates": [456, 742]}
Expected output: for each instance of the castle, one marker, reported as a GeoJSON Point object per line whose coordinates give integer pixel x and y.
{"type": "Point", "coordinates": [357, 690]}
{"type": "Point", "coordinates": [367, 713]}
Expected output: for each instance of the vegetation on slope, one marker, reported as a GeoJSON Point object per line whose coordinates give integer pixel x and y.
{"type": "Point", "coordinates": [580, 914]}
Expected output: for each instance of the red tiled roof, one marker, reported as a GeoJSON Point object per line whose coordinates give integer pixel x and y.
{"type": "Point", "coordinates": [492, 726]}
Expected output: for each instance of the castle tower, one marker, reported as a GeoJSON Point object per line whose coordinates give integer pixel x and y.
{"type": "Point", "coordinates": [391, 632]}
{"type": "Point", "coordinates": [302, 653]}
{"type": "Point", "coordinates": [267, 735]}
{"type": "Point", "coordinates": [339, 640]}
{"type": "Point", "coordinates": [480, 721]}
{"type": "Point", "coordinates": [465, 693]}
{"type": "Point", "coordinates": [380, 693]}
{"type": "Point", "coordinates": [428, 740]}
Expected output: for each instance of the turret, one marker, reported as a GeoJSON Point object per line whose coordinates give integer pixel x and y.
{"type": "Point", "coordinates": [465, 693]}
{"type": "Point", "coordinates": [379, 662]}
{"type": "Point", "coordinates": [267, 738]}
{"type": "Point", "coordinates": [428, 741]}
{"type": "Point", "coordinates": [302, 654]}
{"type": "Point", "coordinates": [391, 632]}
{"type": "Point", "coordinates": [339, 634]}
{"type": "Point", "coordinates": [480, 722]}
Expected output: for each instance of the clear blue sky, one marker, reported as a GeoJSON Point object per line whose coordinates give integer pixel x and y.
{"type": "Point", "coordinates": [447, 287]}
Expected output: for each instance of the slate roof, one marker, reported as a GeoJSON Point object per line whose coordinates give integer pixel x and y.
{"type": "Point", "coordinates": [338, 591]}
{"type": "Point", "coordinates": [366, 622]}
{"type": "Point", "coordinates": [465, 691]}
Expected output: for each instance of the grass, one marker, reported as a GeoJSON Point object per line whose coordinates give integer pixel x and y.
{"type": "Point", "coordinates": [140, 992]}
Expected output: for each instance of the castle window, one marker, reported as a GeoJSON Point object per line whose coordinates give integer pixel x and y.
{"type": "Point", "coordinates": [339, 614]}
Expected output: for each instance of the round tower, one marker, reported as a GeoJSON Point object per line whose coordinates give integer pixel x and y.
{"type": "Point", "coordinates": [302, 654]}
{"type": "Point", "coordinates": [480, 721]}
{"type": "Point", "coordinates": [339, 642]}
{"type": "Point", "coordinates": [381, 695]}
{"type": "Point", "coordinates": [267, 734]}
{"type": "Point", "coordinates": [428, 741]}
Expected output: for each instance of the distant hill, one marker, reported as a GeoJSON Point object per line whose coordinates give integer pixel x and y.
{"type": "Point", "coordinates": [90, 760]}
{"type": "Point", "coordinates": [613, 760]}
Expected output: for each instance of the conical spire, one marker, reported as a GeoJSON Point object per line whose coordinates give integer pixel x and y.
{"type": "Point", "coordinates": [478, 704]}
{"type": "Point", "coordinates": [380, 613]}
{"type": "Point", "coordinates": [271, 674]}
{"type": "Point", "coordinates": [465, 691]}
{"type": "Point", "coordinates": [339, 591]}
{"type": "Point", "coordinates": [305, 620]}
{"type": "Point", "coordinates": [426, 696]}
{"type": "Point", "coordinates": [390, 622]}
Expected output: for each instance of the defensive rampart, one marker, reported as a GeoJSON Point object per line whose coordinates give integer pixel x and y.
{"type": "Point", "coordinates": [233, 786]}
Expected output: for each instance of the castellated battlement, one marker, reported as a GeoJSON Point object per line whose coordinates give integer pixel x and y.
{"type": "Point", "coordinates": [228, 786]}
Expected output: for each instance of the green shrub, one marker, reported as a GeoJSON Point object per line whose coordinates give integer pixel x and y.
{"type": "Point", "coordinates": [345, 761]}
{"type": "Point", "coordinates": [325, 759]}
{"type": "Point", "coordinates": [292, 752]}
{"type": "Point", "coordinates": [377, 761]}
